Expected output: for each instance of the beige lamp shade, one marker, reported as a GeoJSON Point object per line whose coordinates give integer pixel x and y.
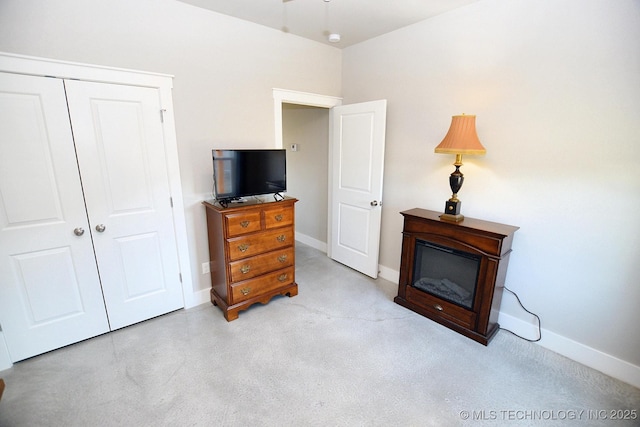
{"type": "Point", "coordinates": [462, 137]}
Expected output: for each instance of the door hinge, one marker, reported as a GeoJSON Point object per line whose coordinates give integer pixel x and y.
{"type": "Point", "coordinates": [162, 115]}
{"type": "Point", "coordinates": [171, 201]}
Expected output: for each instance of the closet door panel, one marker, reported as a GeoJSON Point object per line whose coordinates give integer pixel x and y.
{"type": "Point", "coordinates": [50, 293]}
{"type": "Point", "coordinates": [121, 155]}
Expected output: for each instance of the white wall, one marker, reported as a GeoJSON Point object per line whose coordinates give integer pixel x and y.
{"type": "Point", "coordinates": [224, 68]}
{"type": "Point", "coordinates": [555, 85]}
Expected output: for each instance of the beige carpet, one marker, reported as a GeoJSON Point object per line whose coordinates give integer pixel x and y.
{"type": "Point", "coordinates": [341, 353]}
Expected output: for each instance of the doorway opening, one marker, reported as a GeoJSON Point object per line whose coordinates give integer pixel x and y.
{"type": "Point", "coordinates": [303, 119]}
{"type": "Point", "coordinates": [356, 140]}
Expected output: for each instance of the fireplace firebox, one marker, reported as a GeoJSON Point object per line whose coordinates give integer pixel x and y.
{"type": "Point", "coordinates": [454, 272]}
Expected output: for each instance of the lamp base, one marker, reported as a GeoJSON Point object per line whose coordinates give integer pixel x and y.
{"type": "Point", "coordinates": [452, 211]}
{"type": "Point", "coordinates": [452, 218]}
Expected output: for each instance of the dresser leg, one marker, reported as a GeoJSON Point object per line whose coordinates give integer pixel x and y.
{"type": "Point", "coordinates": [231, 315]}
{"type": "Point", "coordinates": [293, 291]}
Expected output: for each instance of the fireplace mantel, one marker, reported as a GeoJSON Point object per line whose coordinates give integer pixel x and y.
{"type": "Point", "coordinates": [488, 244]}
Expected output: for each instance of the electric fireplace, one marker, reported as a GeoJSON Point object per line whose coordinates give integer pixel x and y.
{"type": "Point", "coordinates": [446, 273]}
{"type": "Point", "coordinates": [454, 273]}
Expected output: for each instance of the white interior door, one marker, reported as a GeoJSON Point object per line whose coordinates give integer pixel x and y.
{"type": "Point", "coordinates": [50, 292]}
{"type": "Point", "coordinates": [357, 170]}
{"type": "Point", "coordinates": [121, 154]}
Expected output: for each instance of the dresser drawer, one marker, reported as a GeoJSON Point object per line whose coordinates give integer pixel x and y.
{"type": "Point", "coordinates": [260, 264]}
{"type": "Point", "coordinates": [248, 289]}
{"type": "Point", "coordinates": [242, 222]}
{"type": "Point", "coordinates": [254, 244]}
{"type": "Point", "coordinates": [278, 216]}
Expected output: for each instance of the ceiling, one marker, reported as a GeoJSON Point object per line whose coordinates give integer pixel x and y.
{"type": "Point", "coordinates": [354, 20]}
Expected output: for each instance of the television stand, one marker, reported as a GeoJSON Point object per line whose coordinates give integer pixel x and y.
{"type": "Point", "coordinates": [433, 254]}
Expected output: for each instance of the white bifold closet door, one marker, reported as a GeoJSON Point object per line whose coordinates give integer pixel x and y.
{"type": "Point", "coordinates": [119, 143]}
{"type": "Point", "coordinates": [87, 242]}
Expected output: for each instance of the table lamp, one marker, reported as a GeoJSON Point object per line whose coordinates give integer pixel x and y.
{"type": "Point", "coordinates": [461, 139]}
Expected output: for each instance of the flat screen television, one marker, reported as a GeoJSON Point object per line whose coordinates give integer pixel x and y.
{"type": "Point", "coordinates": [243, 173]}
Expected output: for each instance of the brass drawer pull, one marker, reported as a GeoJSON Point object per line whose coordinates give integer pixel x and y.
{"type": "Point", "coordinates": [245, 291]}
{"type": "Point", "coordinates": [281, 238]}
{"type": "Point", "coordinates": [245, 269]}
{"type": "Point", "coordinates": [282, 258]}
{"type": "Point", "coordinates": [438, 307]}
{"type": "Point", "coordinates": [278, 217]}
{"type": "Point", "coordinates": [282, 277]}
{"type": "Point", "coordinates": [244, 224]}
{"type": "Point", "coordinates": [243, 247]}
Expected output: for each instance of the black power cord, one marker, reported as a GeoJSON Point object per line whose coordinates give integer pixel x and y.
{"type": "Point", "coordinates": [533, 314]}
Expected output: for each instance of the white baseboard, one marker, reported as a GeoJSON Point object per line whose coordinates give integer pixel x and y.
{"type": "Point", "coordinates": [310, 241]}
{"type": "Point", "coordinates": [389, 274]}
{"type": "Point", "coordinates": [198, 297]}
{"type": "Point", "coordinates": [610, 365]}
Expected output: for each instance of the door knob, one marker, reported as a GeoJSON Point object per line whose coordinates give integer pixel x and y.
{"type": "Point", "coordinates": [100, 228]}
{"type": "Point", "coordinates": [78, 231]}
{"type": "Point", "coordinates": [374, 203]}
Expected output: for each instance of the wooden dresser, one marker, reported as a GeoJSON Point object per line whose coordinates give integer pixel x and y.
{"type": "Point", "coordinates": [251, 253]}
